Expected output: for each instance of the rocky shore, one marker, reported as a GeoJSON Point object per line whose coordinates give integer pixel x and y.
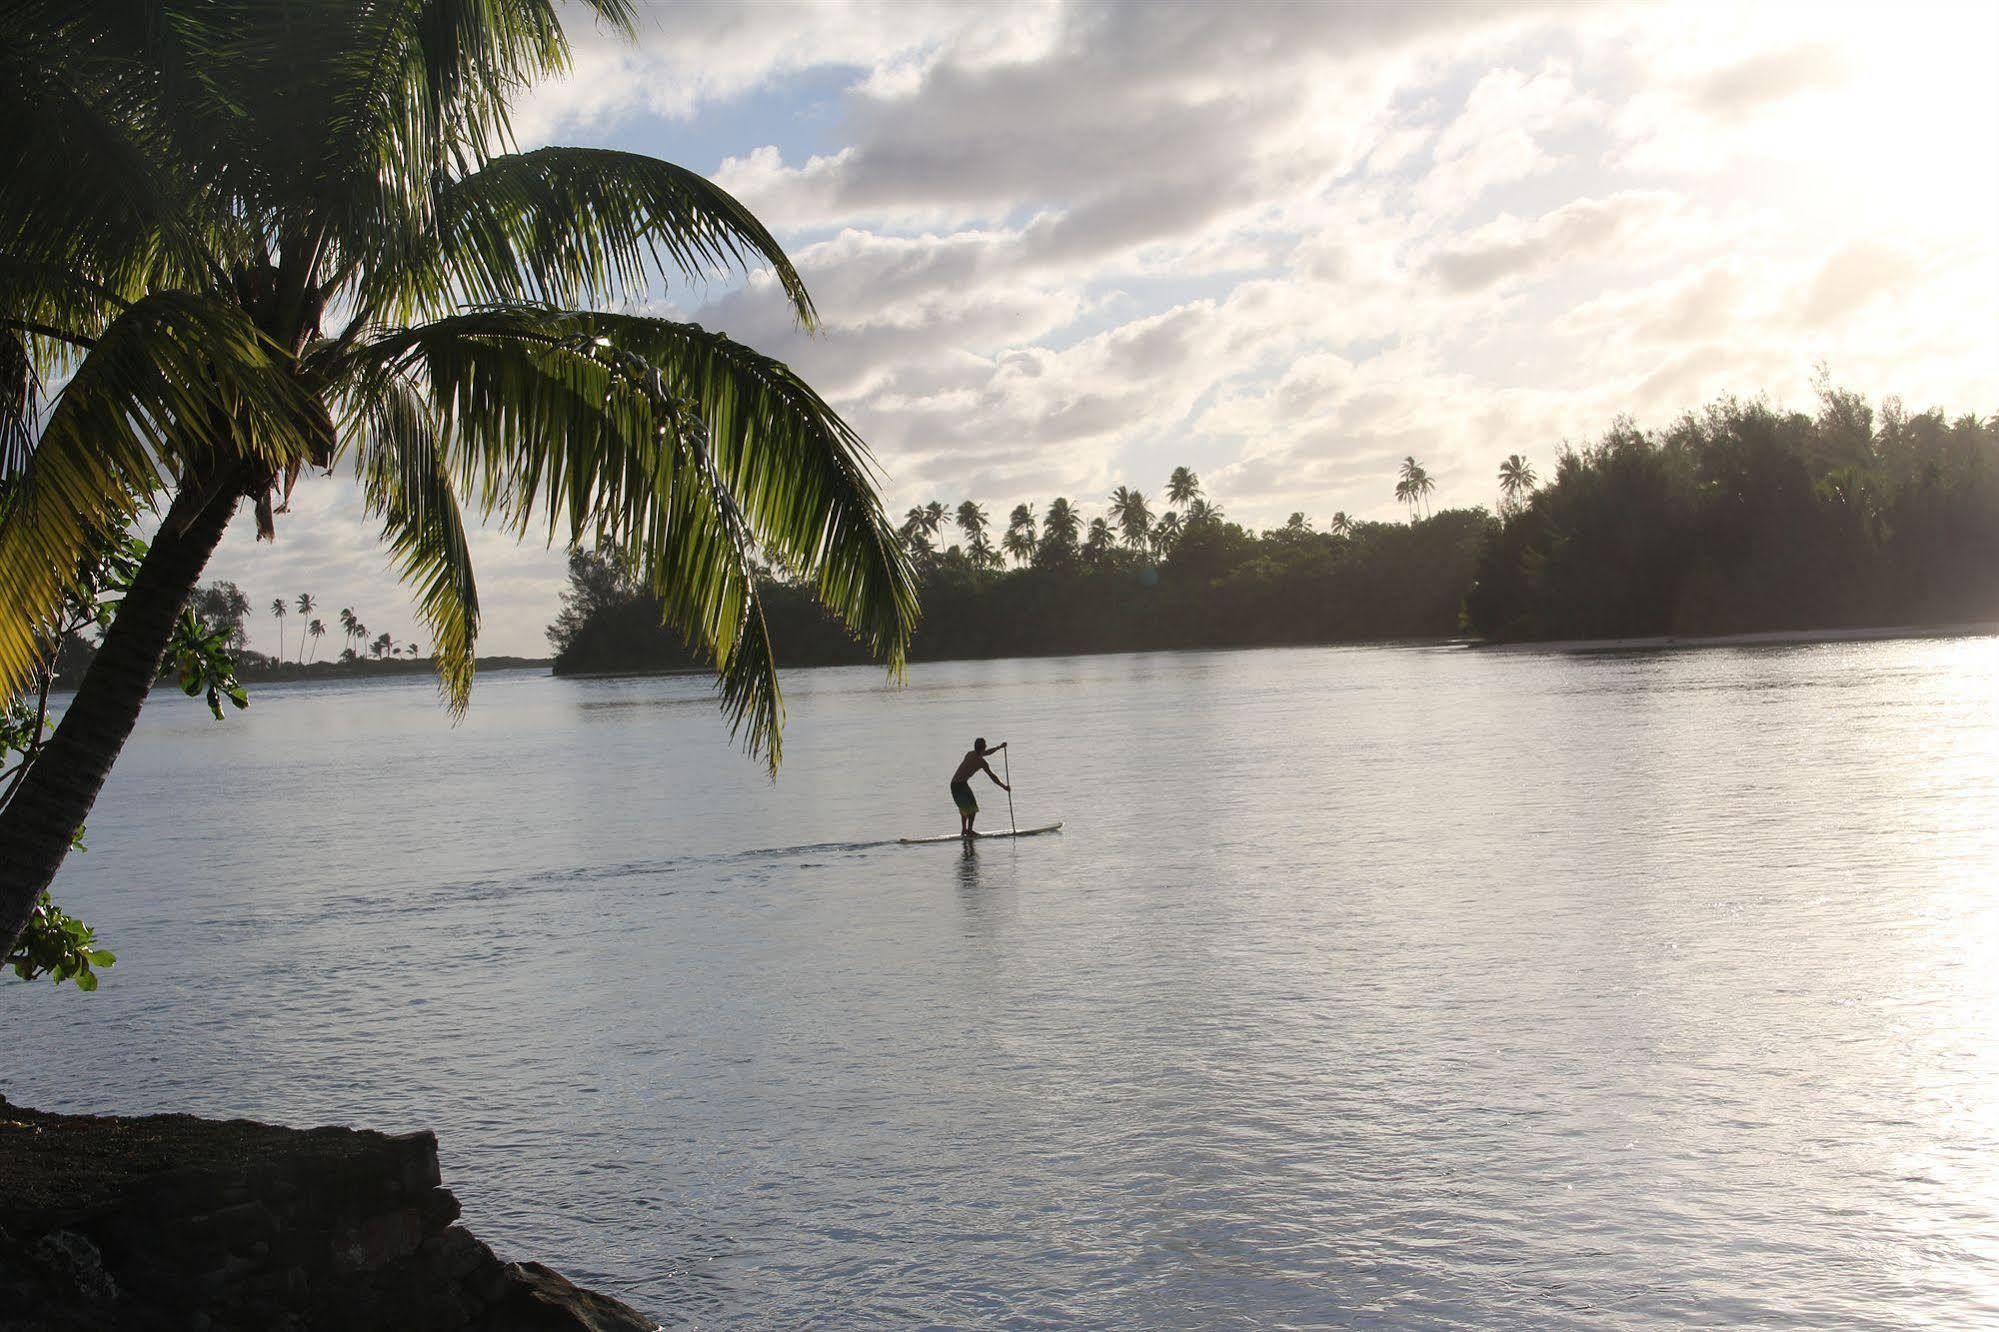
{"type": "Point", "coordinates": [173, 1222]}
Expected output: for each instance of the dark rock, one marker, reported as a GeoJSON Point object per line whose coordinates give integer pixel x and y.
{"type": "Point", "coordinates": [541, 1300]}
{"type": "Point", "coordinates": [73, 1266]}
{"type": "Point", "coordinates": [173, 1222]}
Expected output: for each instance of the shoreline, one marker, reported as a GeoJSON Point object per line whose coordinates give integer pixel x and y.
{"type": "Point", "coordinates": [1758, 638]}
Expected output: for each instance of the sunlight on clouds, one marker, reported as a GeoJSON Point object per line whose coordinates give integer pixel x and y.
{"type": "Point", "coordinates": [1064, 246]}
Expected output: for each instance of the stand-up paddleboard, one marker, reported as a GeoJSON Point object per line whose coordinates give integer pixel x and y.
{"type": "Point", "coordinates": [983, 837]}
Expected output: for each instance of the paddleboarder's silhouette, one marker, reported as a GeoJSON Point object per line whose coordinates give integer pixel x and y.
{"type": "Point", "coordinates": [961, 783]}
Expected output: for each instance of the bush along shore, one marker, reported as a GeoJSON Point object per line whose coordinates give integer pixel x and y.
{"type": "Point", "coordinates": [1741, 519]}
{"type": "Point", "coordinates": [170, 1222]}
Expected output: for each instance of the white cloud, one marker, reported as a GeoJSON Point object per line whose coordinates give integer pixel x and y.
{"type": "Point", "coordinates": [1058, 246]}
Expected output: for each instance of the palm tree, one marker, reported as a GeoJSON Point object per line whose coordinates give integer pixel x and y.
{"type": "Point", "coordinates": [318, 631]}
{"type": "Point", "coordinates": [1297, 523]}
{"type": "Point", "coordinates": [1516, 478]}
{"type": "Point", "coordinates": [1061, 525]}
{"type": "Point", "coordinates": [383, 644]}
{"type": "Point", "coordinates": [1133, 518]}
{"type": "Point", "coordinates": [1018, 544]}
{"type": "Point", "coordinates": [306, 605]}
{"type": "Point", "coordinates": [235, 277]}
{"type": "Point", "coordinates": [1414, 487]}
{"type": "Point", "coordinates": [1166, 532]}
{"type": "Point", "coordinates": [1203, 514]}
{"type": "Point", "coordinates": [920, 527]}
{"type": "Point", "coordinates": [348, 623]}
{"type": "Point", "coordinates": [1100, 540]}
{"type": "Point", "coordinates": [279, 609]}
{"type": "Point", "coordinates": [1341, 525]}
{"type": "Point", "coordinates": [972, 521]}
{"type": "Point", "coordinates": [1182, 486]}
{"type": "Point", "coordinates": [980, 551]}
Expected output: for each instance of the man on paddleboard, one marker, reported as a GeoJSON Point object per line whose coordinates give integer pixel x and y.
{"type": "Point", "coordinates": [961, 783]}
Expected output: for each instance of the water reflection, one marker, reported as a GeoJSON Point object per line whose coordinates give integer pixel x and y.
{"type": "Point", "coordinates": [1414, 989]}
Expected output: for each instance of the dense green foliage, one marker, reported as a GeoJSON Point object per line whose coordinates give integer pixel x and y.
{"type": "Point", "coordinates": [1740, 518]}
{"type": "Point", "coordinates": [1214, 584]}
{"type": "Point", "coordinates": [1744, 518]}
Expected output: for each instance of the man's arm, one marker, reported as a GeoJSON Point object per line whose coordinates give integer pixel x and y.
{"type": "Point", "coordinates": [995, 776]}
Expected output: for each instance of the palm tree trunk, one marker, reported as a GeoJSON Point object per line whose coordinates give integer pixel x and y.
{"type": "Point", "coordinates": [56, 796]}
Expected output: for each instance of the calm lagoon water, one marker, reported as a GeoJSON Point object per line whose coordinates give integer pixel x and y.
{"type": "Point", "coordinates": [1366, 987]}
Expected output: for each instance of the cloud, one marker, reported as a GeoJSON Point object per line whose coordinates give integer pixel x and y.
{"type": "Point", "coordinates": [1853, 278]}
{"type": "Point", "coordinates": [1063, 246]}
{"type": "Point", "coordinates": [1769, 76]}
{"type": "Point", "coordinates": [1510, 249]}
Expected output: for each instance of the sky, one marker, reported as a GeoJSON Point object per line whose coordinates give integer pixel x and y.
{"type": "Point", "coordinates": [1061, 247]}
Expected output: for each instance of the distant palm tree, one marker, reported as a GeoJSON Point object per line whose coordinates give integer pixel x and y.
{"type": "Point", "coordinates": [920, 525]}
{"type": "Point", "coordinates": [1341, 525]}
{"type": "Point", "coordinates": [278, 609]}
{"type": "Point", "coordinates": [1133, 518]}
{"type": "Point", "coordinates": [972, 521]}
{"type": "Point", "coordinates": [1018, 544]}
{"type": "Point", "coordinates": [1183, 486]}
{"type": "Point", "coordinates": [318, 631]}
{"type": "Point", "coordinates": [1166, 533]}
{"type": "Point", "coordinates": [306, 605]}
{"type": "Point", "coordinates": [1203, 514]}
{"type": "Point", "coordinates": [1099, 541]}
{"type": "Point", "coordinates": [1296, 523]}
{"type": "Point", "coordinates": [410, 648]}
{"type": "Point", "coordinates": [1516, 478]}
{"type": "Point", "coordinates": [382, 644]}
{"type": "Point", "coordinates": [1414, 486]}
{"type": "Point", "coordinates": [982, 554]}
{"type": "Point", "coordinates": [348, 624]}
{"type": "Point", "coordinates": [1062, 524]}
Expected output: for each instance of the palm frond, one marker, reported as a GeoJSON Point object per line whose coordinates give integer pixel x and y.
{"type": "Point", "coordinates": [405, 481]}
{"type": "Point", "coordinates": [577, 226]}
{"type": "Point", "coordinates": [174, 385]}
{"type": "Point", "coordinates": [683, 452]}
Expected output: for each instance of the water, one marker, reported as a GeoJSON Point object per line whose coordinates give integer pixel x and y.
{"type": "Point", "coordinates": [1414, 988]}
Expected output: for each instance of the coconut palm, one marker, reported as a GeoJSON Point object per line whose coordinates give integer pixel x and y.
{"type": "Point", "coordinates": [1166, 532]}
{"type": "Point", "coordinates": [1516, 478]}
{"type": "Point", "coordinates": [348, 623]}
{"type": "Point", "coordinates": [1133, 518]}
{"type": "Point", "coordinates": [920, 527]}
{"type": "Point", "coordinates": [382, 645]}
{"type": "Point", "coordinates": [1341, 525]}
{"type": "Point", "coordinates": [973, 522]}
{"type": "Point", "coordinates": [1201, 513]}
{"type": "Point", "coordinates": [1414, 487]}
{"type": "Point", "coordinates": [1061, 525]}
{"type": "Point", "coordinates": [1182, 486]}
{"type": "Point", "coordinates": [279, 609]}
{"type": "Point", "coordinates": [982, 554]}
{"type": "Point", "coordinates": [306, 605]}
{"type": "Point", "coordinates": [318, 631]}
{"type": "Point", "coordinates": [1297, 523]}
{"type": "Point", "coordinates": [1102, 537]}
{"type": "Point", "coordinates": [1019, 539]}
{"type": "Point", "coordinates": [244, 240]}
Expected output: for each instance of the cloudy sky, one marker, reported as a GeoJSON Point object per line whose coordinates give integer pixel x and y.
{"type": "Point", "coordinates": [1062, 246]}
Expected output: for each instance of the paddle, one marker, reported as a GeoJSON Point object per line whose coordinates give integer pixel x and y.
{"type": "Point", "coordinates": [1006, 757]}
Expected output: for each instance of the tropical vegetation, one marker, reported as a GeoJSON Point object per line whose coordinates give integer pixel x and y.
{"type": "Point", "coordinates": [1124, 579]}
{"type": "Point", "coordinates": [243, 242]}
{"type": "Point", "coordinates": [1743, 517]}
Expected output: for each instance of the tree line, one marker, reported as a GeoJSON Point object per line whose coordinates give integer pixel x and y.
{"type": "Point", "coordinates": [1742, 517]}
{"type": "Point", "coordinates": [1739, 517]}
{"type": "Point", "coordinates": [1060, 580]}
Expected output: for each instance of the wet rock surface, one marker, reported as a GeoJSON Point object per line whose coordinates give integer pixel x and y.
{"type": "Point", "coordinates": [171, 1221]}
